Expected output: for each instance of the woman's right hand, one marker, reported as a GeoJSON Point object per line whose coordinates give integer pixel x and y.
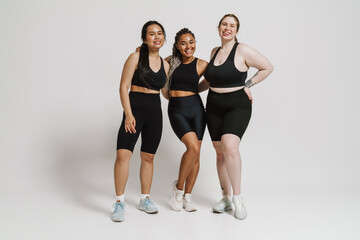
{"type": "Point", "coordinates": [130, 124]}
{"type": "Point", "coordinates": [248, 93]}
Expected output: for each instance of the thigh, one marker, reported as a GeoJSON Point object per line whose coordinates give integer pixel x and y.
{"type": "Point", "coordinates": [151, 132]}
{"type": "Point", "coordinates": [214, 121]}
{"type": "Point", "coordinates": [236, 122]}
{"type": "Point", "coordinates": [179, 123]}
{"type": "Point", "coordinates": [199, 122]}
{"type": "Point", "coordinates": [127, 140]}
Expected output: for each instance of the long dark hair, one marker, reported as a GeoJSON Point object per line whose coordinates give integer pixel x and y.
{"type": "Point", "coordinates": [176, 56]}
{"type": "Point", "coordinates": [236, 20]}
{"type": "Point", "coordinates": [143, 65]}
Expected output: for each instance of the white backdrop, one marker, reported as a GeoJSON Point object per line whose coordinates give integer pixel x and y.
{"type": "Point", "coordinates": [60, 67]}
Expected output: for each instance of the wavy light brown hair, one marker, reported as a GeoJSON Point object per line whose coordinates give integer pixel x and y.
{"type": "Point", "coordinates": [236, 20]}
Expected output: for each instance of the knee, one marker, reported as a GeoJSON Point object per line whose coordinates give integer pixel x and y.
{"type": "Point", "coordinates": [219, 155]}
{"type": "Point", "coordinates": [147, 158]}
{"type": "Point", "coordinates": [122, 157]}
{"type": "Point", "coordinates": [194, 149]}
{"type": "Point", "coordinates": [230, 151]}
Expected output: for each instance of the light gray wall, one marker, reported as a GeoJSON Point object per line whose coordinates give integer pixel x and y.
{"type": "Point", "coordinates": [60, 65]}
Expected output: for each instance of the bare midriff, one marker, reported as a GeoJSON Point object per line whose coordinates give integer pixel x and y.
{"type": "Point", "coordinates": [226, 90]}
{"type": "Point", "coordinates": [135, 88]}
{"type": "Point", "coordinates": [179, 93]}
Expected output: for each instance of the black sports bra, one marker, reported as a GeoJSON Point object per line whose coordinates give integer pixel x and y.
{"type": "Point", "coordinates": [156, 80]}
{"type": "Point", "coordinates": [225, 75]}
{"type": "Point", "coordinates": [185, 77]}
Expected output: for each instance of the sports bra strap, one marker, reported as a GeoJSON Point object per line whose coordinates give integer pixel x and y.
{"type": "Point", "coordinates": [232, 53]}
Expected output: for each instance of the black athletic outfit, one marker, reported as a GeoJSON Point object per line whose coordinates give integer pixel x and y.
{"type": "Point", "coordinates": [227, 112]}
{"type": "Point", "coordinates": [186, 114]}
{"type": "Point", "coordinates": [146, 108]}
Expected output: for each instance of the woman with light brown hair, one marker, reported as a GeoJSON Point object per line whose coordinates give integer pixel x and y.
{"type": "Point", "coordinates": [229, 106]}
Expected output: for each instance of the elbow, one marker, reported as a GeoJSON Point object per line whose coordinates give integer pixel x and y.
{"type": "Point", "coordinates": [271, 68]}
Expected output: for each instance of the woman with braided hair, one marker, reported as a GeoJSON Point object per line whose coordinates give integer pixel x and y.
{"type": "Point", "coordinates": [186, 114]}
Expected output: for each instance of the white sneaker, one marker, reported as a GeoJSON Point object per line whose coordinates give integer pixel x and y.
{"type": "Point", "coordinates": [188, 204]}
{"type": "Point", "coordinates": [240, 211]}
{"type": "Point", "coordinates": [176, 198]}
{"type": "Point", "coordinates": [223, 205]}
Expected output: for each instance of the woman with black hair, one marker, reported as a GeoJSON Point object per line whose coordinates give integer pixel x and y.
{"type": "Point", "coordinates": [186, 114]}
{"type": "Point", "coordinates": [144, 73]}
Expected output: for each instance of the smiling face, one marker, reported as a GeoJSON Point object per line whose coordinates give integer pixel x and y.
{"type": "Point", "coordinates": [228, 28]}
{"type": "Point", "coordinates": [154, 36]}
{"type": "Point", "coordinates": [186, 45]}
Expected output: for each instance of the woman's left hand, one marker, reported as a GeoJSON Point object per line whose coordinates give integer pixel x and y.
{"type": "Point", "coordinates": [247, 91]}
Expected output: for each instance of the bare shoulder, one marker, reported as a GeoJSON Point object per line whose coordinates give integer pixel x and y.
{"type": "Point", "coordinates": [201, 66]}
{"type": "Point", "coordinates": [134, 57]}
{"type": "Point", "coordinates": [213, 51]}
{"type": "Point", "coordinates": [166, 66]}
{"type": "Point", "coordinates": [245, 49]}
{"type": "Point", "coordinates": [202, 63]}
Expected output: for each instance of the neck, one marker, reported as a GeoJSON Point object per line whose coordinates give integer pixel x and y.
{"type": "Point", "coordinates": [154, 53]}
{"type": "Point", "coordinates": [186, 60]}
{"type": "Point", "coordinates": [225, 44]}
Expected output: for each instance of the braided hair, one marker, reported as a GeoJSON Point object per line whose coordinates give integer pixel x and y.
{"type": "Point", "coordinates": [176, 57]}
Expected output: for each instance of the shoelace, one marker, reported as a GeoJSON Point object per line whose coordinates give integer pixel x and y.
{"type": "Point", "coordinates": [187, 199]}
{"type": "Point", "coordinates": [224, 201]}
{"type": "Point", "coordinates": [148, 202]}
{"type": "Point", "coordinates": [118, 204]}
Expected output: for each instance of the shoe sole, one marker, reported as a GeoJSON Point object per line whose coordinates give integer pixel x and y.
{"type": "Point", "coordinates": [226, 210]}
{"type": "Point", "coordinates": [190, 210]}
{"type": "Point", "coordinates": [147, 211]}
{"type": "Point", "coordinates": [117, 220]}
{"type": "Point", "coordinates": [240, 218]}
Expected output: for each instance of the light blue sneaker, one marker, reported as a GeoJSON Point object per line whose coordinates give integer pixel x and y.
{"type": "Point", "coordinates": [147, 206]}
{"type": "Point", "coordinates": [119, 212]}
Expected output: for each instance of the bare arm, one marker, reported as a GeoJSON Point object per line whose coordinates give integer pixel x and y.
{"type": "Point", "coordinates": [126, 76]}
{"type": "Point", "coordinates": [165, 90]}
{"type": "Point", "coordinates": [254, 59]}
{"type": "Point", "coordinates": [201, 67]}
{"type": "Point", "coordinates": [203, 85]}
{"type": "Point", "coordinates": [168, 58]}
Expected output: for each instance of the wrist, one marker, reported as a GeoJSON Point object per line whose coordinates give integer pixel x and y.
{"type": "Point", "coordinates": [248, 83]}
{"type": "Point", "coordinates": [128, 114]}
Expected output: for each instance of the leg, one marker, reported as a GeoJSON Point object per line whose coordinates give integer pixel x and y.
{"type": "Point", "coordinates": [230, 148]}
{"type": "Point", "coordinates": [221, 169]}
{"type": "Point", "coordinates": [125, 145]}
{"type": "Point", "coordinates": [189, 162]}
{"type": "Point", "coordinates": [190, 180]}
{"type": "Point", "coordinates": [146, 171]}
{"type": "Point", "coordinates": [150, 136]}
{"type": "Point", "coordinates": [198, 123]}
{"type": "Point", "coordinates": [121, 170]}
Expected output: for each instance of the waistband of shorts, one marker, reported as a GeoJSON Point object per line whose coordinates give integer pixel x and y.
{"type": "Point", "coordinates": [186, 101]}
{"type": "Point", "coordinates": [146, 94]}
{"type": "Point", "coordinates": [234, 93]}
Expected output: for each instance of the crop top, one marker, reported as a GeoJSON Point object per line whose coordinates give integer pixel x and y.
{"type": "Point", "coordinates": [225, 75]}
{"type": "Point", "coordinates": [185, 77]}
{"type": "Point", "coordinates": [156, 80]}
